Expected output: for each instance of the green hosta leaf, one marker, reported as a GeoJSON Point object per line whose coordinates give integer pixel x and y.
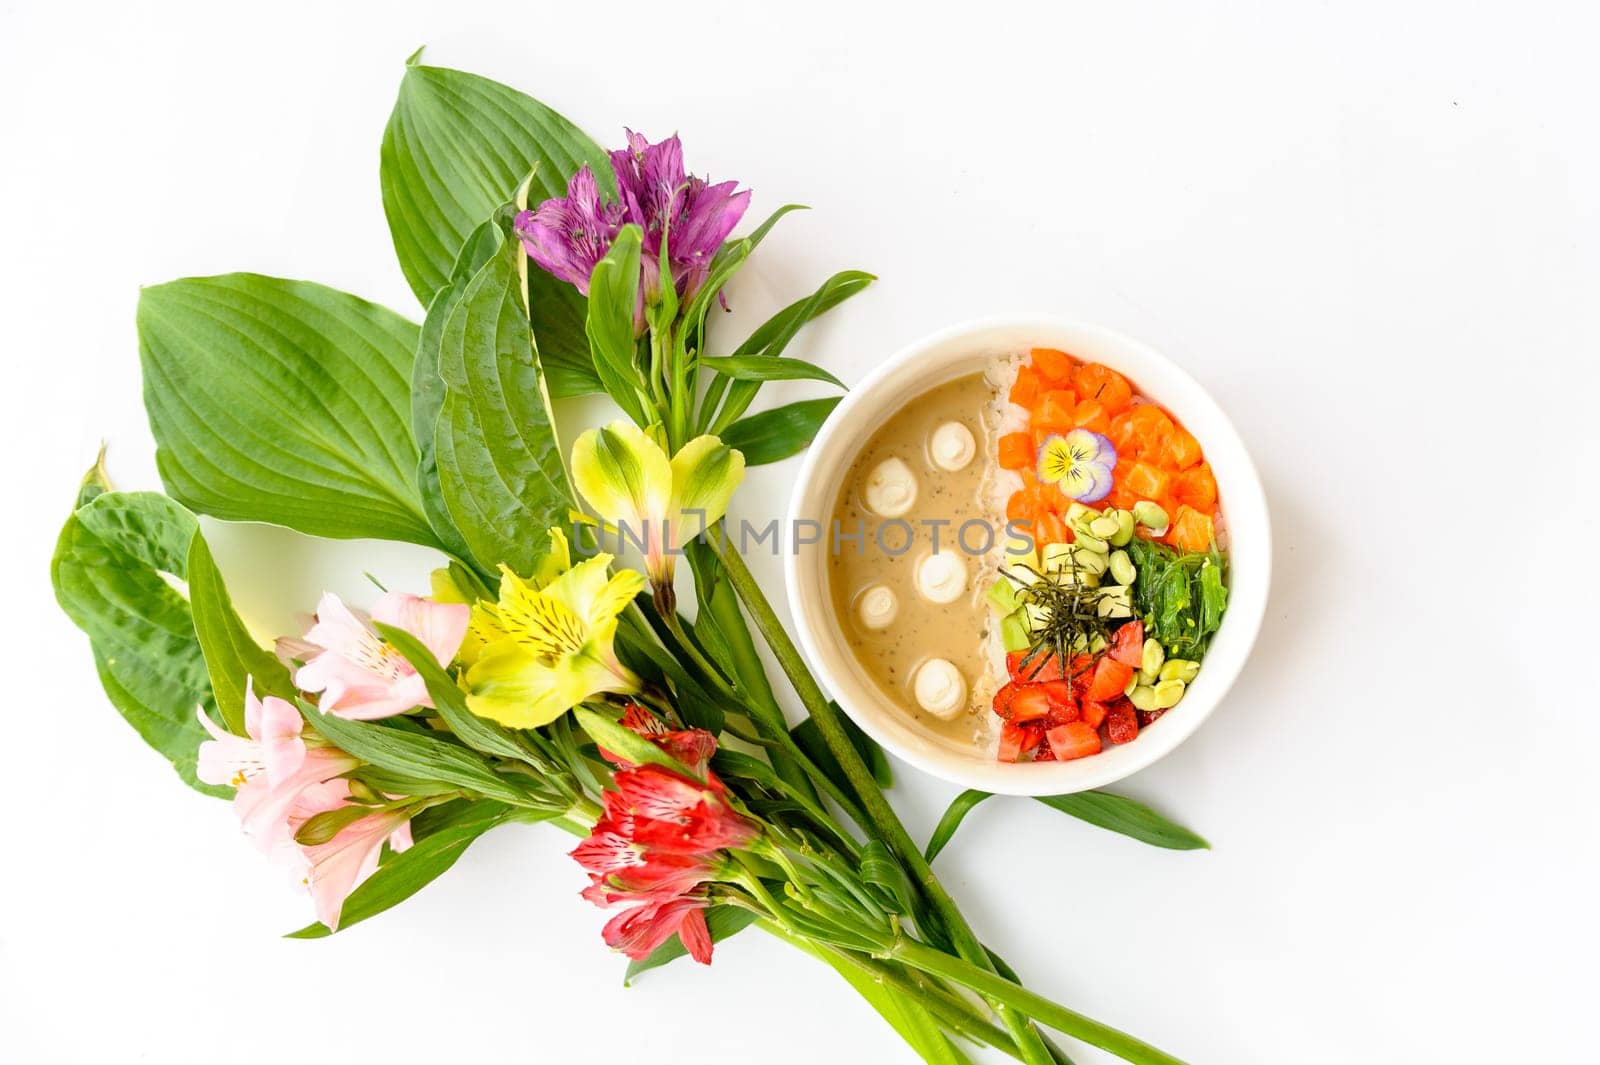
{"type": "Point", "coordinates": [499, 462]}
{"type": "Point", "coordinates": [231, 653]}
{"type": "Point", "coordinates": [723, 922]}
{"type": "Point", "coordinates": [1103, 809]}
{"type": "Point", "coordinates": [408, 872]}
{"type": "Point", "coordinates": [456, 148]}
{"type": "Point", "coordinates": [428, 389]}
{"type": "Point", "coordinates": [283, 402]}
{"type": "Point", "coordinates": [114, 571]}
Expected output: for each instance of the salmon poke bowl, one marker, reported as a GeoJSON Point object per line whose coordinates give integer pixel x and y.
{"type": "Point", "coordinates": [1028, 556]}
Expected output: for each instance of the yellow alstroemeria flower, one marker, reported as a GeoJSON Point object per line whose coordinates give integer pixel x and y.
{"type": "Point", "coordinates": [631, 485]}
{"type": "Point", "coordinates": [546, 646]}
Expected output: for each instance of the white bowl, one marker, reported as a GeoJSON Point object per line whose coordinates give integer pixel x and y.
{"type": "Point", "coordinates": [965, 349]}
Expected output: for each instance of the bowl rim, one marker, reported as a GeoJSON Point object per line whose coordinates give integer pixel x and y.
{"type": "Point", "coordinates": [1245, 501]}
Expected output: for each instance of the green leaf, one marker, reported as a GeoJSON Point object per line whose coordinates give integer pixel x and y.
{"type": "Point", "coordinates": [613, 295]}
{"type": "Point", "coordinates": [625, 743]}
{"type": "Point", "coordinates": [887, 880]}
{"type": "Point", "coordinates": [780, 433]}
{"type": "Point", "coordinates": [408, 872]}
{"type": "Point", "coordinates": [499, 462]}
{"type": "Point", "coordinates": [456, 149]}
{"type": "Point", "coordinates": [428, 389]}
{"type": "Point", "coordinates": [283, 402]}
{"type": "Point", "coordinates": [558, 312]}
{"type": "Point", "coordinates": [96, 482]}
{"type": "Point", "coordinates": [809, 739]}
{"type": "Point", "coordinates": [231, 653]}
{"type": "Point", "coordinates": [723, 921]}
{"type": "Point", "coordinates": [1100, 808]}
{"type": "Point", "coordinates": [953, 816]}
{"type": "Point", "coordinates": [1132, 819]}
{"type": "Point", "coordinates": [773, 336]}
{"type": "Point", "coordinates": [481, 735]}
{"type": "Point", "coordinates": [412, 753]}
{"type": "Point", "coordinates": [761, 368]}
{"type": "Point", "coordinates": [114, 570]}
{"type": "Point", "coordinates": [911, 1021]}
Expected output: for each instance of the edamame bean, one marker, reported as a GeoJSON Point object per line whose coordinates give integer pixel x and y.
{"type": "Point", "coordinates": [1090, 561]}
{"type": "Point", "coordinates": [1180, 669]}
{"type": "Point", "coordinates": [1169, 693]}
{"type": "Point", "coordinates": [1133, 682]}
{"type": "Point", "coordinates": [1143, 697]}
{"type": "Point", "coordinates": [1154, 655]}
{"type": "Point", "coordinates": [1121, 566]}
{"type": "Point", "coordinates": [1105, 526]}
{"type": "Point", "coordinates": [1092, 542]}
{"type": "Point", "coordinates": [1124, 535]}
{"type": "Point", "coordinates": [1149, 514]}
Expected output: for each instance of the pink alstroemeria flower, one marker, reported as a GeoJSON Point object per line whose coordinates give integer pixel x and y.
{"type": "Point", "coordinates": [360, 675]}
{"type": "Point", "coordinates": [339, 866]}
{"type": "Point", "coordinates": [273, 770]}
{"type": "Point", "coordinates": [272, 745]}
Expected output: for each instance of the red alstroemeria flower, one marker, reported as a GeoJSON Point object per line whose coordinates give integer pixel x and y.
{"type": "Point", "coordinates": [639, 931]}
{"type": "Point", "coordinates": [661, 836]}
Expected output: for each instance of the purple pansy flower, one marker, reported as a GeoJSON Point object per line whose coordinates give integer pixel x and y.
{"type": "Point", "coordinates": [567, 237]}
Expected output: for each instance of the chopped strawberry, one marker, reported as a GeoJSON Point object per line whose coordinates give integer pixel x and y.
{"type": "Point", "coordinates": [1148, 717]}
{"type": "Point", "coordinates": [1110, 678]}
{"type": "Point", "coordinates": [1092, 713]}
{"type": "Point", "coordinates": [1127, 646]}
{"type": "Point", "coordinates": [1063, 704]}
{"type": "Point", "coordinates": [1030, 703]}
{"type": "Point", "coordinates": [1042, 667]}
{"type": "Point", "coordinates": [1018, 740]}
{"type": "Point", "coordinates": [1044, 752]}
{"type": "Point", "coordinates": [1002, 699]}
{"type": "Point", "coordinates": [1073, 740]}
{"type": "Point", "coordinates": [1121, 725]}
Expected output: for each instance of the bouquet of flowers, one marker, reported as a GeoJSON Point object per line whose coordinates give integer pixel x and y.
{"type": "Point", "coordinates": [541, 679]}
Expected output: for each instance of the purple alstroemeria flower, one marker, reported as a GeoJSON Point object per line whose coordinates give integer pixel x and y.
{"type": "Point", "coordinates": [567, 237]}
{"type": "Point", "coordinates": [662, 198]}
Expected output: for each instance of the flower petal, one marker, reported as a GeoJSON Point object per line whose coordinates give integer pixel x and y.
{"type": "Point", "coordinates": [626, 478]}
{"type": "Point", "coordinates": [705, 472]}
{"type": "Point", "coordinates": [440, 626]}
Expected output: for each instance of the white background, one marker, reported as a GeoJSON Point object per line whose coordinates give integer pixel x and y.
{"type": "Point", "coordinates": [1369, 230]}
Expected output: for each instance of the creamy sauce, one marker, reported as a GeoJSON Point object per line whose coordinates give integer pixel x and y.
{"type": "Point", "coordinates": [890, 555]}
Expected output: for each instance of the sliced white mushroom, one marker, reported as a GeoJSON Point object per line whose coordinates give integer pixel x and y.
{"type": "Point", "coordinates": [952, 446]}
{"type": "Point", "coordinates": [941, 690]}
{"type": "Point", "coordinates": [891, 488]}
{"type": "Point", "coordinates": [942, 578]}
{"type": "Point", "coordinates": [878, 607]}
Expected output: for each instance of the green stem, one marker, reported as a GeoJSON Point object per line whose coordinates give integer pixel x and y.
{"type": "Point", "coordinates": [998, 988]}
{"type": "Point", "coordinates": [877, 808]}
{"type": "Point", "coordinates": [951, 1011]}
